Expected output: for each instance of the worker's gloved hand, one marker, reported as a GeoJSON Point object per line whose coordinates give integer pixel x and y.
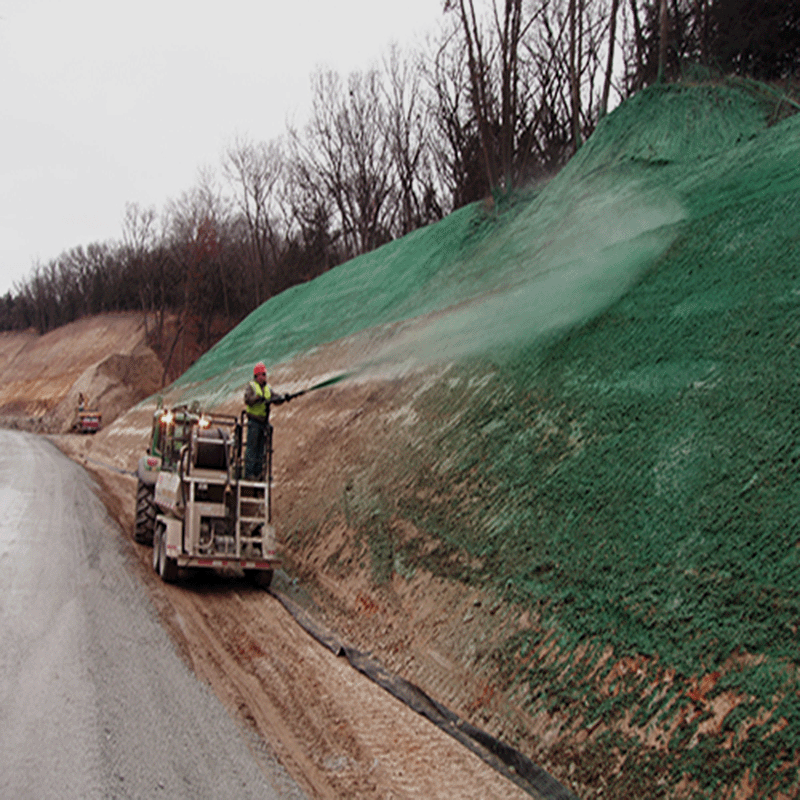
{"type": "Point", "coordinates": [285, 398]}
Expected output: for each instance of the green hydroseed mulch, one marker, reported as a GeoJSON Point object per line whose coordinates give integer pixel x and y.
{"type": "Point", "coordinates": [617, 444]}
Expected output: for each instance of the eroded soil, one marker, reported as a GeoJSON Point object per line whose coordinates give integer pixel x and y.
{"type": "Point", "coordinates": [339, 734]}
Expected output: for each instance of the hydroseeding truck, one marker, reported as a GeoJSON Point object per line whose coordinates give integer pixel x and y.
{"type": "Point", "coordinates": [192, 503]}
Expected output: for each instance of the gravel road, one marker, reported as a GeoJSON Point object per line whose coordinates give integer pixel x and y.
{"type": "Point", "coordinates": [94, 699]}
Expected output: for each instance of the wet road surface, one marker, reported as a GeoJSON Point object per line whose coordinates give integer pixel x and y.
{"type": "Point", "coordinates": [94, 699]}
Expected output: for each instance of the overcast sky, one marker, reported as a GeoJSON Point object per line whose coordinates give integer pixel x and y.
{"type": "Point", "coordinates": [104, 102]}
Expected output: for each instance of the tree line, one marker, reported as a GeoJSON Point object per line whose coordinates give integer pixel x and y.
{"type": "Point", "coordinates": [501, 96]}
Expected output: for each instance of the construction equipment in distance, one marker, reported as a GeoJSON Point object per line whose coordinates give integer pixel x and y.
{"type": "Point", "coordinates": [194, 505]}
{"type": "Point", "coordinates": [89, 421]}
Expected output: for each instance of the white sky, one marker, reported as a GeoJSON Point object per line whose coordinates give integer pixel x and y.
{"type": "Point", "coordinates": [104, 102]}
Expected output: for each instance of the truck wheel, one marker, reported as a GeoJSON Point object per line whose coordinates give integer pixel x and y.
{"type": "Point", "coordinates": [145, 513]}
{"type": "Point", "coordinates": [157, 546]}
{"type": "Point", "coordinates": [166, 567]}
{"type": "Point", "coordinates": [259, 577]}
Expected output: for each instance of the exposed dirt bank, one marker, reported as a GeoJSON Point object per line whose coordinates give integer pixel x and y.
{"type": "Point", "coordinates": [338, 733]}
{"type": "Point", "coordinates": [104, 358]}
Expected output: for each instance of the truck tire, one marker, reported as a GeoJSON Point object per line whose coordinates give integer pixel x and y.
{"type": "Point", "coordinates": [259, 577]}
{"type": "Point", "coordinates": [145, 513]}
{"type": "Point", "coordinates": [166, 567]}
{"type": "Point", "coordinates": [156, 546]}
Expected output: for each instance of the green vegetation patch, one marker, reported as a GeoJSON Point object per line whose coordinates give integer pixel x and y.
{"type": "Point", "coordinates": [616, 443]}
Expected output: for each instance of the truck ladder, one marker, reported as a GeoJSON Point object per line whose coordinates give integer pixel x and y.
{"type": "Point", "coordinates": [251, 517]}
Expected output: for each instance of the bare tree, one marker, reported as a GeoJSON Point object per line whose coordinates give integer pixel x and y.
{"type": "Point", "coordinates": [662, 40]}
{"type": "Point", "coordinates": [483, 97]}
{"type": "Point", "coordinates": [511, 33]}
{"type": "Point", "coordinates": [408, 126]}
{"type": "Point", "coordinates": [518, 66]}
{"type": "Point", "coordinates": [197, 223]}
{"type": "Point", "coordinates": [574, 80]}
{"type": "Point", "coordinates": [454, 137]}
{"type": "Point", "coordinates": [311, 214]}
{"type": "Point", "coordinates": [612, 43]}
{"type": "Point", "coordinates": [254, 170]}
{"type": "Point", "coordinates": [346, 154]}
{"type": "Point", "coordinates": [140, 252]}
{"type": "Point", "coordinates": [635, 75]}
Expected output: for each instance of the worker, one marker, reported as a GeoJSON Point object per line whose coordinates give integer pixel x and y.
{"type": "Point", "coordinates": [258, 398]}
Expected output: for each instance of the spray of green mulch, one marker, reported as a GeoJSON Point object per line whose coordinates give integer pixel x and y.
{"type": "Point", "coordinates": [617, 441]}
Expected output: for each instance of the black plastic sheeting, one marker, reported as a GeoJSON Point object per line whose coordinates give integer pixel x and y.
{"type": "Point", "coordinates": [501, 757]}
{"type": "Point", "coordinates": [110, 466]}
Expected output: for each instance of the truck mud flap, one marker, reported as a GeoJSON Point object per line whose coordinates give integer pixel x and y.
{"type": "Point", "coordinates": [517, 767]}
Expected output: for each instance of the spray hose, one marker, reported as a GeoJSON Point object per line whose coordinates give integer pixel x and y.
{"type": "Point", "coordinates": [321, 385]}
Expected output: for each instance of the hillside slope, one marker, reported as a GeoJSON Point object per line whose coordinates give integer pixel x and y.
{"type": "Point", "coordinates": [105, 358]}
{"type": "Point", "coordinates": [557, 487]}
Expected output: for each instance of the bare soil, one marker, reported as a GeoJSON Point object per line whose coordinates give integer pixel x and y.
{"type": "Point", "coordinates": [339, 734]}
{"type": "Point", "coordinates": [105, 358]}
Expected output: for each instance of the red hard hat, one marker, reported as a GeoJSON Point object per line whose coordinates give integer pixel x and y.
{"type": "Point", "coordinates": [259, 369]}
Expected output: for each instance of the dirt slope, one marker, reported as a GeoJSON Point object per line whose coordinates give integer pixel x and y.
{"type": "Point", "coordinates": [105, 358]}
{"type": "Point", "coordinates": [339, 734]}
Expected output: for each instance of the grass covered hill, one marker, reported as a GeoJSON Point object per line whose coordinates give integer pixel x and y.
{"type": "Point", "coordinates": [607, 437]}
